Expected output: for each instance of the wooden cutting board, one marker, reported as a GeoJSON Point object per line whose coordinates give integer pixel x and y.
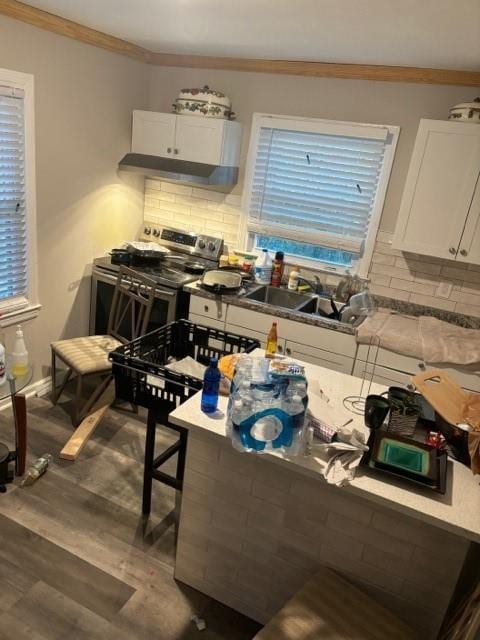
{"type": "Point", "coordinates": [443, 393]}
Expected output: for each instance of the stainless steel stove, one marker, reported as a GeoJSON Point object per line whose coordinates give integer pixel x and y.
{"type": "Point", "coordinates": [189, 255]}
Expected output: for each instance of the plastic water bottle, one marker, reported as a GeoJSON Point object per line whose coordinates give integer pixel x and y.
{"type": "Point", "coordinates": [37, 469]}
{"type": "Point", "coordinates": [211, 385]}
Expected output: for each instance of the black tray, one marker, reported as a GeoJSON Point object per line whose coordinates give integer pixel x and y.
{"type": "Point", "coordinates": [438, 478]}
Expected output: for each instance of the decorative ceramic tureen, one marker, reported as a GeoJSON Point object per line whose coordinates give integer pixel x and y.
{"type": "Point", "coordinates": [203, 102]}
{"type": "Point", "coordinates": [466, 112]}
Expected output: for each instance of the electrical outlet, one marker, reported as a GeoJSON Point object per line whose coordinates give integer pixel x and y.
{"type": "Point", "coordinates": [444, 290]}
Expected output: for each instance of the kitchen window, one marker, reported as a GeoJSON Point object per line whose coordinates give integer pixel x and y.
{"type": "Point", "coordinates": [18, 295]}
{"type": "Point", "coordinates": [315, 189]}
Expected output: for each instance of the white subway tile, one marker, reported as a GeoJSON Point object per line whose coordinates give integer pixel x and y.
{"type": "Point", "coordinates": [382, 258]}
{"type": "Point", "coordinates": [150, 183]}
{"type": "Point", "coordinates": [466, 298]}
{"type": "Point", "coordinates": [234, 220]}
{"type": "Point", "coordinates": [189, 201]}
{"type": "Point", "coordinates": [175, 207]}
{"type": "Point", "coordinates": [385, 237]}
{"type": "Point", "coordinates": [420, 534]}
{"type": "Point", "coordinates": [376, 278]}
{"type": "Point", "coordinates": [359, 568]}
{"type": "Point", "coordinates": [437, 303]}
{"type": "Point", "coordinates": [208, 194]}
{"type": "Point", "coordinates": [233, 199]}
{"type": "Point", "coordinates": [467, 310]}
{"type": "Point", "coordinates": [414, 287]}
{"type": "Point", "coordinates": [180, 189]}
{"type": "Point", "coordinates": [366, 535]}
{"type": "Point", "coordinates": [218, 226]}
{"type": "Point", "coordinates": [386, 248]}
{"type": "Point", "coordinates": [394, 272]}
{"type": "Point", "coordinates": [415, 265]}
{"type": "Point", "coordinates": [386, 292]}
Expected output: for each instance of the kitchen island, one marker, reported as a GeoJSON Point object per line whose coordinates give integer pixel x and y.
{"type": "Point", "coordinates": [254, 527]}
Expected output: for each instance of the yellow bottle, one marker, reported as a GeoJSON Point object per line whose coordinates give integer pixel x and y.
{"type": "Point", "coordinates": [272, 341]}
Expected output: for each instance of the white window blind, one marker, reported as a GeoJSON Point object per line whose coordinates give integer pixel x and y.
{"type": "Point", "coordinates": [317, 187]}
{"type": "Point", "coordinates": [13, 241]}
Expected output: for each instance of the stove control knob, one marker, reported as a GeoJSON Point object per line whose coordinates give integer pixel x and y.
{"type": "Point", "coordinates": [147, 231]}
{"type": "Point", "coordinates": [201, 244]}
{"type": "Point", "coordinates": [156, 232]}
{"type": "Point", "coordinates": [211, 246]}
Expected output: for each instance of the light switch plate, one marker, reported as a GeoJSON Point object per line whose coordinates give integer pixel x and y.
{"type": "Point", "coordinates": [444, 290]}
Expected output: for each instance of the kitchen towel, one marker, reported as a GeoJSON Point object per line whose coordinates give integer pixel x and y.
{"type": "Point", "coordinates": [430, 339]}
{"type": "Point", "coordinates": [443, 342]}
{"type": "Point", "coordinates": [392, 331]}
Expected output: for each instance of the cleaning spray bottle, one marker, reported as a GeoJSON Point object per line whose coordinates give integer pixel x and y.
{"type": "Point", "coordinates": [19, 354]}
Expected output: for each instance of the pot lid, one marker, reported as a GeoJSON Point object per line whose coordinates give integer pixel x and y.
{"type": "Point", "coordinates": [468, 105]}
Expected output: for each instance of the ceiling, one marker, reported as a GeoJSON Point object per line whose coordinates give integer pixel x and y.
{"type": "Point", "coordinates": [424, 33]}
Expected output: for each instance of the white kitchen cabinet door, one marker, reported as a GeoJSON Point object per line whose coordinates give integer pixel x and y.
{"type": "Point", "coordinates": [320, 357]}
{"type": "Point", "coordinates": [439, 188]}
{"type": "Point", "coordinates": [153, 133]}
{"type": "Point", "coordinates": [199, 139]}
{"type": "Point", "coordinates": [261, 336]}
{"type": "Point", "coordinates": [469, 250]}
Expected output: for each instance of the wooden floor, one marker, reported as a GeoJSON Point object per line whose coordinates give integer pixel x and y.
{"type": "Point", "coordinates": [77, 560]}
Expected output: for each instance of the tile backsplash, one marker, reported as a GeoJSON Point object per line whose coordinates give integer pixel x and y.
{"type": "Point", "coordinates": [393, 274]}
{"type": "Point", "coordinates": [193, 208]}
{"type": "Point", "coordinates": [416, 278]}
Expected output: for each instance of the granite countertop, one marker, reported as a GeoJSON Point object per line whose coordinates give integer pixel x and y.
{"type": "Point", "coordinates": [458, 511]}
{"type": "Point", "coordinates": [238, 300]}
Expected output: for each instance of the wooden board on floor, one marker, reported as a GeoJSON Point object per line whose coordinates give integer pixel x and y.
{"type": "Point", "coordinates": [82, 433]}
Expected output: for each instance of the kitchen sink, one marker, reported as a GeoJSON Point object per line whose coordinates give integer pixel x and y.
{"type": "Point", "coordinates": [307, 303]}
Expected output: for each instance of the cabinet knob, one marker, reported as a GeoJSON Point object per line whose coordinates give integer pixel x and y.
{"type": "Point", "coordinates": [421, 366]}
{"type": "Point", "coordinates": [206, 308]}
{"type": "Point", "coordinates": [288, 351]}
{"type": "Point", "coordinates": [464, 252]}
{"type": "Point", "coordinates": [279, 348]}
{"type": "Point", "coordinates": [452, 250]}
{"type": "Point", "coordinates": [169, 149]}
{"type": "Point", "coordinates": [175, 151]}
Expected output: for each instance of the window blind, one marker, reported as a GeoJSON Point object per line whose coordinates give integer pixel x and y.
{"type": "Point", "coordinates": [13, 241]}
{"type": "Point", "coordinates": [315, 187]}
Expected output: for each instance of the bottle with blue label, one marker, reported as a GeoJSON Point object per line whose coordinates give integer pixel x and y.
{"type": "Point", "coordinates": [211, 386]}
{"type": "Point", "coordinates": [263, 268]}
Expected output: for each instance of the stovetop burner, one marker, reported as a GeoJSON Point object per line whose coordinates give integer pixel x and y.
{"type": "Point", "coordinates": [190, 255]}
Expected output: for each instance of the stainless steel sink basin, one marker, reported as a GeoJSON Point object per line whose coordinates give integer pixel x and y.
{"type": "Point", "coordinates": [284, 298]}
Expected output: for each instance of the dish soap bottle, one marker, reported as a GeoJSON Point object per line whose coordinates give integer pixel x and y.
{"type": "Point", "coordinates": [19, 354]}
{"type": "Point", "coordinates": [263, 268]}
{"type": "Point", "coordinates": [293, 278]}
{"type": "Point", "coordinates": [272, 341]}
{"type": "Point", "coordinates": [211, 386]}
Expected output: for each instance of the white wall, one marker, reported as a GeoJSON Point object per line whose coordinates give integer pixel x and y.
{"type": "Point", "coordinates": [83, 102]}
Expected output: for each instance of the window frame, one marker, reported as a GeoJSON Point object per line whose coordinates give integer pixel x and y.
{"type": "Point", "coordinates": [333, 127]}
{"type": "Point", "coordinates": [19, 309]}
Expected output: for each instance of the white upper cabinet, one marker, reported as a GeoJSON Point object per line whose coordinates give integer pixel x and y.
{"type": "Point", "coordinates": [192, 138]}
{"type": "Point", "coordinates": [440, 209]}
{"type": "Point", "coordinates": [153, 134]}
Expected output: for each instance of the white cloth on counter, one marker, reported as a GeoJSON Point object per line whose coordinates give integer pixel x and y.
{"type": "Point", "coordinates": [339, 458]}
{"type": "Point", "coordinates": [342, 458]}
{"type": "Point", "coordinates": [434, 341]}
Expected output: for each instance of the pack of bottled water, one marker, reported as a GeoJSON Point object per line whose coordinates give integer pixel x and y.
{"type": "Point", "coordinates": [266, 409]}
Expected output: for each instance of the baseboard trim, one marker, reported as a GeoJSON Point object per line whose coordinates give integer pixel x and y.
{"type": "Point", "coordinates": [39, 388]}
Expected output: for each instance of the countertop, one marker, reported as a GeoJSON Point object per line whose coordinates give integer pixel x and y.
{"type": "Point", "coordinates": [273, 310]}
{"type": "Point", "coordinates": [458, 511]}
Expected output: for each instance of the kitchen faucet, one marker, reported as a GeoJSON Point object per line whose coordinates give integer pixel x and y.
{"type": "Point", "coordinates": [316, 286]}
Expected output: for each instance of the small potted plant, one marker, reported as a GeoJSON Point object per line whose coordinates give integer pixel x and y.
{"type": "Point", "coordinates": [404, 411]}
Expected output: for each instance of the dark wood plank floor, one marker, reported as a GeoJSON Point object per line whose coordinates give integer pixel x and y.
{"type": "Point", "coordinates": [78, 561]}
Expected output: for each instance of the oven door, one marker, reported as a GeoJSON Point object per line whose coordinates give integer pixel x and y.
{"type": "Point", "coordinates": [103, 285]}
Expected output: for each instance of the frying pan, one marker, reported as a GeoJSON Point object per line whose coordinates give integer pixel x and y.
{"type": "Point", "coordinates": [221, 281]}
